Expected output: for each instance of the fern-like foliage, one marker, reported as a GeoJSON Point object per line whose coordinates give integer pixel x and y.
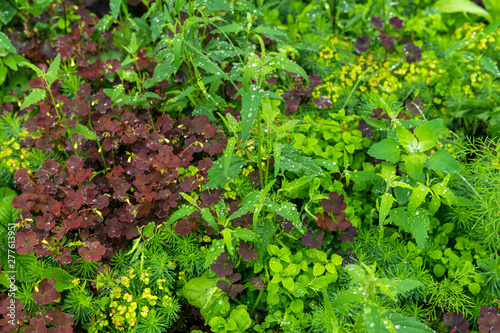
{"type": "Point", "coordinates": [10, 126]}
{"type": "Point", "coordinates": [79, 303]}
{"type": "Point", "coordinates": [85, 269]}
{"type": "Point", "coordinates": [154, 322]}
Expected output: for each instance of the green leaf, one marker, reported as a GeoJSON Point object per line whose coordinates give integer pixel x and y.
{"type": "Point", "coordinates": [490, 28]}
{"type": "Point", "coordinates": [164, 70]}
{"type": "Point", "coordinates": [216, 175]}
{"type": "Point", "coordinates": [417, 198]}
{"type": "Point", "coordinates": [351, 296]}
{"type": "Point", "coordinates": [297, 162]}
{"type": "Point", "coordinates": [7, 12]}
{"type": "Point", "coordinates": [114, 5]}
{"type": "Point", "coordinates": [241, 318]}
{"type": "Point", "coordinates": [458, 45]}
{"type": "Point", "coordinates": [54, 69]}
{"type": "Point", "coordinates": [419, 222]}
{"type": "Point", "coordinates": [181, 213]}
{"type": "Point", "coordinates": [288, 211]}
{"type": "Point", "coordinates": [490, 66]}
{"type": "Point", "coordinates": [6, 46]}
{"type": "Point", "coordinates": [275, 265]}
{"type": "Point", "coordinates": [3, 74]}
{"type": "Point", "coordinates": [462, 6]}
{"type": "Point", "coordinates": [158, 20]}
{"type": "Point", "coordinates": [386, 149]}
{"type": "Point", "coordinates": [11, 62]}
{"type": "Point", "coordinates": [214, 252]}
{"type": "Point", "coordinates": [430, 131]}
{"type": "Point", "coordinates": [443, 161]}
{"type": "Point", "coordinates": [231, 28]}
{"type": "Point", "coordinates": [250, 202]}
{"type": "Point", "coordinates": [399, 217]}
{"type": "Point", "coordinates": [269, 31]}
{"type": "Point", "coordinates": [407, 139]}
{"type": "Point", "coordinates": [407, 324]}
{"type": "Point", "coordinates": [228, 153]}
{"type": "Point", "coordinates": [246, 235]}
{"type": "Point", "coordinates": [250, 105]}
{"type": "Point", "coordinates": [290, 66]}
{"type": "Point", "coordinates": [372, 318]}
{"type": "Point", "coordinates": [205, 212]}
{"type": "Point", "coordinates": [37, 70]}
{"type": "Point", "coordinates": [414, 165]}
{"type": "Point", "coordinates": [83, 130]}
{"type": "Point", "coordinates": [289, 283]}
{"type": "Point", "coordinates": [63, 278]}
{"type": "Point", "coordinates": [386, 202]}
{"type": "Point", "coordinates": [402, 286]}
{"type": "Point", "coordinates": [35, 96]}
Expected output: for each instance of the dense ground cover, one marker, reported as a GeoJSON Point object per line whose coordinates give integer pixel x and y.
{"type": "Point", "coordinates": [249, 166]}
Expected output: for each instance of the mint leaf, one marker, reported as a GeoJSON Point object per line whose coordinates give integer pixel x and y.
{"type": "Point", "coordinates": [443, 161]}
{"type": "Point", "coordinates": [35, 96]}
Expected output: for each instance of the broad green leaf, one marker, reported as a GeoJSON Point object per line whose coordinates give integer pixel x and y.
{"type": "Point", "coordinates": [275, 265]}
{"type": "Point", "coordinates": [488, 64]}
{"type": "Point", "coordinates": [216, 175]}
{"type": "Point", "coordinates": [289, 283]}
{"type": "Point", "coordinates": [164, 69]}
{"type": "Point", "coordinates": [185, 93]}
{"type": "Point", "coordinates": [386, 149]}
{"type": "Point", "coordinates": [399, 217]}
{"type": "Point", "coordinates": [405, 324]}
{"type": "Point", "coordinates": [372, 318]}
{"type": "Point", "coordinates": [6, 46]}
{"type": "Point", "coordinates": [430, 131]}
{"type": "Point", "coordinates": [297, 162]}
{"type": "Point", "coordinates": [407, 139]}
{"type": "Point", "coordinates": [388, 172]}
{"type": "Point", "coordinates": [351, 296]}
{"type": "Point", "coordinates": [7, 12]}
{"type": "Point", "coordinates": [54, 69]}
{"type": "Point", "coordinates": [277, 158]}
{"type": "Point", "coordinates": [269, 31]}
{"type": "Point", "coordinates": [414, 165]}
{"type": "Point", "coordinates": [114, 5]}
{"type": "Point", "coordinates": [386, 202]}
{"type": "Point", "coordinates": [83, 130]}
{"type": "Point", "coordinates": [402, 286]}
{"type": "Point", "coordinates": [490, 28]}
{"type": "Point", "coordinates": [290, 66]}
{"type": "Point", "coordinates": [356, 272]}
{"type": "Point", "coordinates": [63, 278]}
{"type": "Point", "coordinates": [11, 62]}
{"type": "Point", "coordinates": [249, 203]}
{"type": "Point", "coordinates": [250, 106]}
{"type": "Point", "coordinates": [419, 222]}
{"type": "Point", "coordinates": [288, 211]}
{"type": "Point", "coordinates": [241, 318]}
{"type": "Point", "coordinates": [417, 198]}
{"type": "Point", "coordinates": [462, 6]}
{"type": "Point", "coordinates": [443, 161]}
{"type": "Point", "coordinates": [158, 20]}
{"type": "Point", "coordinates": [35, 96]}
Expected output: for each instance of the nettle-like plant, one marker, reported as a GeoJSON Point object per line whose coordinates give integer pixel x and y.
{"type": "Point", "coordinates": [412, 155]}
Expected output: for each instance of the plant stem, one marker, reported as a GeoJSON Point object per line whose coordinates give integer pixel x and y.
{"type": "Point", "coordinates": [257, 301]}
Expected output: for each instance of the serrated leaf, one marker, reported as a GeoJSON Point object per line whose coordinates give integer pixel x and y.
{"type": "Point", "coordinates": [402, 286]}
{"type": "Point", "coordinates": [386, 202]}
{"type": "Point", "coordinates": [288, 211]}
{"type": "Point", "coordinates": [231, 28]}
{"type": "Point", "coordinates": [165, 69]}
{"type": "Point", "coordinates": [399, 217]}
{"type": "Point", "coordinates": [214, 252]}
{"type": "Point", "coordinates": [35, 96]}
{"type": "Point", "coordinates": [386, 149]}
{"type": "Point", "coordinates": [157, 22]}
{"type": "Point", "coordinates": [246, 235]}
{"type": "Point", "coordinates": [83, 130]}
{"type": "Point", "coordinates": [6, 46]}
{"type": "Point", "coordinates": [205, 212]}
{"type": "Point", "coordinates": [443, 161]}
{"type": "Point", "coordinates": [417, 198]}
{"type": "Point", "coordinates": [419, 222]}
{"type": "Point", "coordinates": [53, 69]}
{"type": "Point", "coordinates": [290, 66]}
{"type": "Point", "coordinates": [114, 5]}
{"type": "Point", "coordinates": [296, 161]}
{"type": "Point", "coordinates": [414, 165]}
{"type": "Point", "coordinates": [63, 278]}
{"type": "Point", "coordinates": [250, 105]}
{"type": "Point", "coordinates": [430, 131]}
{"type": "Point", "coordinates": [216, 175]}
{"type": "Point", "coordinates": [372, 318]}
{"type": "Point", "coordinates": [181, 213]}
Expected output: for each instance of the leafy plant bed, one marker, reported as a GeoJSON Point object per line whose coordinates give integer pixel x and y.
{"type": "Point", "coordinates": [249, 166]}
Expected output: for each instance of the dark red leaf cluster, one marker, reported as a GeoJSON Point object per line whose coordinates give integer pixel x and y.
{"type": "Point", "coordinates": [298, 92]}
{"type": "Point", "coordinates": [247, 253]}
{"type": "Point", "coordinates": [457, 321]}
{"type": "Point", "coordinates": [489, 320]}
{"type": "Point", "coordinates": [220, 267]}
{"type": "Point", "coordinates": [334, 219]}
{"type": "Point", "coordinates": [231, 288]}
{"type": "Point", "coordinates": [313, 241]}
{"type": "Point", "coordinates": [46, 293]}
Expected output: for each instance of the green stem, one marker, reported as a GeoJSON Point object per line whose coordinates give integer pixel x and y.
{"type": "Point", "coordinates": [259, 147]}
{"type": "Point", "coordinates": [362, 77]}
{"type": "Point", "coordinates": [257, 301]}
